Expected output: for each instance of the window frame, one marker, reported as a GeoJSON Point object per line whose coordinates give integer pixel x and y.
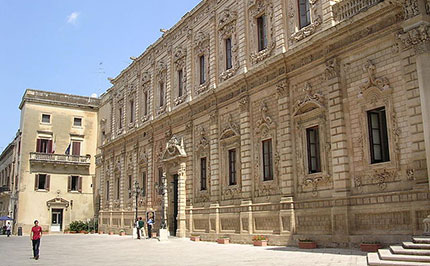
{"type": "Point", "coordinates": [262, 41]}
{"type": "Point", "coordinates": [180, 82]}
{"type": "Point", "coordinates": [316, 143]}
{"type": "Point", "coordinates": [161, 86]}
{"type": "Point", "coordinates": [232, 171]}
{"type": "Point", "coordinates": [203, 174]}
{"type": "Point", "coordinates": [77, 119]}
{"type": "Point", "coordinates": [267, 161]}
{"type": "Point", "coordinates": [228, 53]}
{"type": "Point", "coordinates": [202, 69]}
{"type": "Point", "coordinates": [306, 14]}
{"type": "Point", "coordinates": [382, 129]}
{"type": "Point", "coordinates": [49, 117]}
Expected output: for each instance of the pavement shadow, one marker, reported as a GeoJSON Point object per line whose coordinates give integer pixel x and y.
{"type": "Point", "coordinates": [320, 250]}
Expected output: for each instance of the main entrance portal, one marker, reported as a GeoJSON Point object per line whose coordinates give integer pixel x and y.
{"type": "Point", "coordinates": [57, 220]}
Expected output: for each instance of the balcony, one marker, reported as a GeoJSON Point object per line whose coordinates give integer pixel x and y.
{"type": "Point", "coordinates": [4, 189]}
{"type": "Point", "coordinates": [63, 159]}
{"type": "Point", "coordinates": [346, 9]}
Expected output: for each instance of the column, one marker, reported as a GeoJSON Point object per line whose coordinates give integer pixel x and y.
{"type": "Point", "coordinates": [214, 157]}
{"type": "Point", "coordinates": [182, 174]}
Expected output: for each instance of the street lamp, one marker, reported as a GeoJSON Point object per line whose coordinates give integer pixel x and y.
{"type": "Point", "coordinates": [138, 190]}
{"type": "Point", "coordinates": [162, 190]}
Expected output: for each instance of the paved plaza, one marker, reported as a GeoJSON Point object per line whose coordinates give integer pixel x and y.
{"type": "Point", "coordinates": [116, 250]}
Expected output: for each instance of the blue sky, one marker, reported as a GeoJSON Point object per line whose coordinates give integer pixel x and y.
{"type": "Point", "coordinates": [73, 46]}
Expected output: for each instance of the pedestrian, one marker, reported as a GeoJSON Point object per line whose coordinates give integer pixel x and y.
{"type": "Point", "coordinates": [137, 229]}
{"type": "Point", "coordinates": [142, 228]}
{"type": "Point", "coordinates": [8, 228]}
{"type": "Point", "coordinates": [35, 235]}
{"type": "Point", "coordinates": [150, 223]}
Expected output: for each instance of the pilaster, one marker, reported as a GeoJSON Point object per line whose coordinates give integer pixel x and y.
{"type": "Point", "coordinates": [245, 147]}
{"type": "Point", "coordinates": [214, 155]}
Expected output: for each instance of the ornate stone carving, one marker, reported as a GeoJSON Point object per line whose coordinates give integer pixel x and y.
{"type": "Point", "coordinates": [203, 141]}
{"type": "Point", "coordinates": [202, 48]}
{"type": "Point", "coordinates": [227, 29]}
{"type": "Point", "coordinates": [179, 60]}
{"type": "Point", "coordinates": [309, 98]}
{"type": "Point", "coordinates": [256, 9]}
{"type": "Point", "coordinates": [372, 81]}
{"type": "Point", "coordinates": [282, 88]}
{"type": "Point", "coordinates": [410, 8]}
{"type": "Point", "coordinates": [415, 36]}
{"type": "Point", "coordinates": [244, 104]}
{"type": "Point", "coordinates": [175, 149]}
{"type": "Point", "coordinates": [307, 31]}
{"type": "Point", "coordinates": [230, 130]}
{"type": "Point", "coordinates": [331, 69]}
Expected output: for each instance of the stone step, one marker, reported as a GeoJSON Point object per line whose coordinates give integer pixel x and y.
{"type": "Point", "coordinates": [422, 240]}
{"type": "Point", "coordinates": [416, 245]}
{"type": "Point", "coordinates": [409, 251]}
{"type": "Point", "coordinates": [374, 260]}
{"type": "Point", "coordinates": [385, 254]}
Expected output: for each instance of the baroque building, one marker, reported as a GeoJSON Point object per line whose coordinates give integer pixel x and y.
{"type": "Point", "coordinates": [56, 160]}
{"type": "Point", "coordinates": [292, 119]}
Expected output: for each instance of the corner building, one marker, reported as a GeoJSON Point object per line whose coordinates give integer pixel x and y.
{"type": "Point", "coordinates": [291, 119]}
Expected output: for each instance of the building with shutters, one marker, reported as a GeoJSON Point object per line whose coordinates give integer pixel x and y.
{"type": "Point", "coordinates": [291, 119]}
{"type": "Point", "coordinates": [58, 135]}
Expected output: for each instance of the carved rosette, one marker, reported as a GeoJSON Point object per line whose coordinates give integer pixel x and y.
{"type": "Point", "coordinates": [257, 8]}
{"type": "Point", "coordinates": [202, 48]}
{"type": "Point", "coordinates": [227, 28]}
{"type": "Point", "coordinates": [179, 61]}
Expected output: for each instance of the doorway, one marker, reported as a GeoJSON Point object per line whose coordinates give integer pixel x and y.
{"type": "Point", "coordinates": [175, 205]}
{"type": "Point", "coordinates": [57, 220]}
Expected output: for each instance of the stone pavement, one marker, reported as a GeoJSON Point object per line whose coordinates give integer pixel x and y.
{"type": "Point", "coordinates": [67, 250]}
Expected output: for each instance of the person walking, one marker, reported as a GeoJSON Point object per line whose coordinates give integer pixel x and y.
{"type": "Point", "coordinates": [150, 223]}
{"type": "Point", "coordinates": [137, 229]}
{"type": "Point", "coordinates": [35, 235]}
{"type": "Point", "coordinates": [8, 228]}
{"type": "Point", "coordinates": [142, 228]}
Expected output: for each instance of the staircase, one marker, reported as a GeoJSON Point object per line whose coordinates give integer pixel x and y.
{"type": "Point", "coordinates": [415, 253]}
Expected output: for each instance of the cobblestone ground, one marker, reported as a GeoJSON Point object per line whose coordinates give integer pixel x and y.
{"type": "Point", "coordinates": [116, 250]}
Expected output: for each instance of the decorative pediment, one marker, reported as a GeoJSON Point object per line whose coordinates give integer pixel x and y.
{"type": "Point", "coordinates": [373, 87]}
{"type": "Point", "coordinates": [57, 202]}
{"type": "Point", "coordinates": [174, 149]}
{"type": "Point", "coordinates": [202, 39]}
{"type": "Point", "coordinates": [203, 141]}
{"type": "Point", "coordinates": [231, 129]}
{"type": "Point", "coordinates": [143, 157]}
{"type": "Point", "coordinates": [161, 70]}
{"type": "Point", "coordinates": [309, 102]}
{"type": "Point", "coordinates": [179, 57]}
{"type": "Point", "coordinates": [227, 16]}
{"type": "Point", "coordinates": [146, 78]}
{"type": "Point", "coordinates": [265, 124]}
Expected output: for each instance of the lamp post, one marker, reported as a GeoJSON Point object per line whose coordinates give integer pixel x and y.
{"type": "Point", "coordinates": [138, 190]}
{"type": "Point", "coordinates": [162, 190]}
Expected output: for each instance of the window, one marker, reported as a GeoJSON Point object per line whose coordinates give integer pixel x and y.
{"type": "Point", "coordinates": [129, 186]}
{"type": "Point", "coordinates": [313, 145]}
{"type": "Point", "coordinates": [143, 184]}
{"type": "Point", "coordinates": [107, 190]}
{"type": "Point", "coordinates": [203, 173]}
{"type": "Point", "coordinates": [42, 182]}
{"type": "Point", "coordinates": [232, 167]}
{"type": "Point", "coordinates": [77, 122]}
{"type": "Point", "coordinates": [304, 13]}
{"type": "Point", "coordinates": [180, 83]}
{"type": "Point", "coordinates": [267, 160]}
{"type": "Point", "coordinates": [120, 118]}
{"type": "Point", "coordinates": [76, 148]}
{"type": "Point", "coordinates": [161, 94]}
{"type": "Point", "coordinates": [131, 111]}
{"type": "Point", "coordinates": [145, 104]}
{"type": "Point", "coordinates": [46, 118]}
{"type": "Point", "coordinates": [228, 57]}
{"type": "Point", "coordinates": [160, 179]}
{"type": "Point", "coordinates": [75, 184]}
{"type": "Point", "coordinates": [262, 32]}
{"type": "Point", "coordinates": [117, 188]}
{"type": "Point", "coordinates": [44, 146]}
{"type": "Point", "coordinates": [202, 70]}
{"type": "Point", "coordinates": [378, 136]}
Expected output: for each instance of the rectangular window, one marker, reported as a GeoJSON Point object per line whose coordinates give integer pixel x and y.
{"type": "Point", "coordinates": [77, 122]}
{"type": "Point", "coordinates": [131, 111]}
{"type": "Point", "coordinates": [378, 136]}
{"type": "Point", "coordinates": [304, 13]}
{"type": "Point", "coordinates": [267, 160]}
{"type": "Point", "coordinates": [46, 118]}
{"type": "Point", "coordinates": [146, 102]}
{"type": "Point", "coordinates": [202, 70]}
{"type": "Point", "coordinates": [120, 118]}
{"type": "Point", "coordinates": [42, 182]}
{"type": "Point", "coordinates": [143, 184]}
{"type": "Point", "coordinates": [228, 55]}
{"type": "Point", "coordinates": [313, 145]}
{"type": "Point", "coordinates": [44, 146]}
{"type": "Point", "coordinates": [262, 32]}
{"type": "Point", "coordinates": [117, 188]}
{"type": "Point", "coordinates": [130, 189]}
{"type": "Point", "coordinates": [107, 190]}
{"type": "Point", "coordinates": [160, 179]}
{"type": "Point", "coordinates": [203, 173]}
{"type": "Point", "coordinates": [75, 183]}
{"type": "Point", "coordinates": [180, 84]}
{"type": "Point", "coordinates": [161, 94]}
{"type": "Point", "coordinates": [76, 148]}
{"type": "Point", "coordinates": [232, 167]}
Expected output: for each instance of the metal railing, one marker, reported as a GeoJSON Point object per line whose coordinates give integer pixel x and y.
{"type": "Point", "coordinates": [59, 158]}
{"type": "Point", "coordinates": [345, 9]}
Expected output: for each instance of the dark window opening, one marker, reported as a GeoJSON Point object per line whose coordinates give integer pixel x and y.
{"type": "Point", "coordinates": [180, 83]}
{"type": "Point", "coordinates": [203, 173]}
{"type": "Point", "coordinates": [304, 13]}
{"type": "Point", "coordinates": [77, 122]}
{"type": "Point", "coordinates": [378, 136]}
{"type": "Point", "coordinates": [146, 103]}
{"type": "Point", "coordinates": [267, 160]}
{"type": "Point", "coordinates": [120, 118]}
{"type": "Point", "coordinates": [262, 32]}
{"type": "Point", "coordinates": [228, 54]}
{"type": "Point", "coordinates": [313, 145]}
{"type": "Point", "coordinates": [46, 118]}
{"type": "Point", "coordinates": [131, 111]}
{"type": "Point", "coordinates": [202, 70]}
{"type": "Point", "coordinates": [117, 188]}
{"type": "Point", "coordinates": [161, 94]}
{"type": "Point", "coordinates": [107, 190]}
{"type": "Point", "coordinates": [232, 167]}
{"type": "Point", "coordinates": [44, 146]}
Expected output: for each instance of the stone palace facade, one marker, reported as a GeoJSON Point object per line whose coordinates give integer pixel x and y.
{"type": "Point", "coordinates": [291, 119]}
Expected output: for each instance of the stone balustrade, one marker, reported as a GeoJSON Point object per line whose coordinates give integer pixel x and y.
{"type": "Point", "coordinates": [59, 158]}
{"type": "Point", "coordinates": [345, 9]}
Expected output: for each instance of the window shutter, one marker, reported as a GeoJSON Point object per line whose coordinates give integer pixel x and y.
{"type": "Point", "coordinates": [36, 182]}
{"type": "Point", "coordinates": [69, 184]}
{"type": "Point", "coordinates": [38, 145]}
{"type": "Point", "coordinates": [49, 148]}
{"type": "Point", "coordinates": [80, 184]}
{"type": "Point", "coordinates": [48, 177]}
{"type": "Point", "coordinates": [76, 148]}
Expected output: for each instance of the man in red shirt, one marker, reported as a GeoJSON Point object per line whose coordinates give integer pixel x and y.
{"type": "Point", "coordinates": [35, 235]}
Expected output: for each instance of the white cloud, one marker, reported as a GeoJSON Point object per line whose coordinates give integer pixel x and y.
{"type": "Point", "coordinates": [72, 18]}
